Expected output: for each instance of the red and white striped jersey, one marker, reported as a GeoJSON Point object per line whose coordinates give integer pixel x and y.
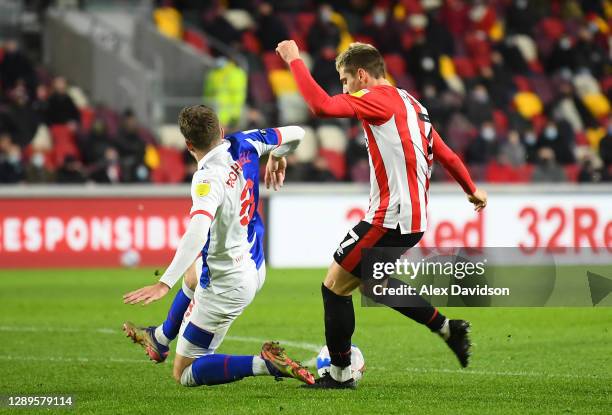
{"type": "Point", "coordinates": [399, 140]}
{"type": "Point", "coordinates": [402, 145]}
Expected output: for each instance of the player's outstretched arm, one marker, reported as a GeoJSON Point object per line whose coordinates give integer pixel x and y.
{"type": "Point", "coordinates": [453, 164]}
{"type": "Point", "coordinates": [319, 102]}
{"type": "Point", "coordinates": [190, 246]}
{"type": "Point", "coordinates": [290, 138]}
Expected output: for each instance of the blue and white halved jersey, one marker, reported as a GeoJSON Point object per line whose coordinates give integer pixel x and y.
{"type": "Point", "coordinates": [226, 188]}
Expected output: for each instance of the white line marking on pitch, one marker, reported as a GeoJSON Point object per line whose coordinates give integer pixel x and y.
{"type": "Point", "coordinates": [311, 347]}
{"type": "Point", "coordinates": [302, 345]}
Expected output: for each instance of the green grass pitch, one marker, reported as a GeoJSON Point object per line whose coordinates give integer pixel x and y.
{"type": "Point", "coordinates": [60, 332]}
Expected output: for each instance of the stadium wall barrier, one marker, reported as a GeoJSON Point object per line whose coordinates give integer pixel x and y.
{"type": "Point", "coordinates": [107, 226]}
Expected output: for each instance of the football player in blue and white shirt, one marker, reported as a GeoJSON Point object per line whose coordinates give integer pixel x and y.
{"type": "Point", "coordinates": [227, 231]}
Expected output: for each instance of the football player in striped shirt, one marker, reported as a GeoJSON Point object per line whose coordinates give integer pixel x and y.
{"type": "Point", "coordinates": [402, 145]}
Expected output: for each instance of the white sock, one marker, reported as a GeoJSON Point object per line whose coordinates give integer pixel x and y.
{"type": "Point", "coordinates": [187, 378]}
{"type": "Point", "coordinates": [259, 366]}
{"type": "Point", "coordinates": [160, 336]}
{"type": "Point", "coordinates": [341, 374]}
{"type": "Point", "coordinates": [188, 291]}
{"type": "Point", "coordinates": [444, 331]}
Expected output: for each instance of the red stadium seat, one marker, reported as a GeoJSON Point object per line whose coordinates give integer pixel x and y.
{"type": "Point", "coordinates": [171, 167]}
{"type": "Point", "coordinates": [305, 21]}
{"type": "Point", "coordinates": [250, 42]}
{"type": "Point", "coordinates": [524, 173]}
{"type": "Point", "coordinates": [335, 161]}
{"type": "Point", "coordinates": [552, 27]}
{"type": "Point", "coordinates": [364, 39]}
{"type": "Point", "coordinates": [606, 83]}
{"type": "Point", "coordinates": [64, 143]}
{"type": "Point", "coordinates": [87, 118]}
{"type": "Point", "coordinates": [571, 171]}
{"type": "Point", "coordinates": [196, 40]}
{"type": "Point", "coordinates": [500, 173]}
{"type": "Point", "coordinates": [464, 67]}
{"type": "Point", "coordinates": [396, 65]}
{"type": "Point", "coordinates": [501, 122]}
{"type": "Point", "coordinates": [272, 61]}
{"type": "Point", "coordinates": [522, 83]}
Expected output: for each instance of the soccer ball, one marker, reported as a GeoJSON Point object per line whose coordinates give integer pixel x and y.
{"type": "Point", "coordinates": [130, 258]}
{"type": "Point", "coordinates": [357, 362]}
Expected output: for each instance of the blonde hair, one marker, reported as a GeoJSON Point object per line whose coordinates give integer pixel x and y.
{"type": "Point", "coordinates": [361, 55]}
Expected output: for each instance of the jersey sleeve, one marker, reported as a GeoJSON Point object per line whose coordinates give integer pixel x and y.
{"type": "Point", "coordinates": [369, 105]}
{"type": "Point", "coordinates": [451, 162]}
{"type": "Point", "coordinates": [264, 140]}
{"type": "Point", "coordinates": [207, 193]}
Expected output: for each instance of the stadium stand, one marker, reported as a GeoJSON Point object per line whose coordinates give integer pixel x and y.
{"type": "Point", "coordinates": [520, 89]}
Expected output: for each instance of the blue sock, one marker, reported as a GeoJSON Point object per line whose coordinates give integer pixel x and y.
{"type": "Point", "coordinates": [172, 325]}
{"type": "Point", "coordinates": [215, 369]}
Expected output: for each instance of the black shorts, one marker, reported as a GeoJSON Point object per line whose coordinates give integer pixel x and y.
{"type": "Point", "coordinates": [365, 235]}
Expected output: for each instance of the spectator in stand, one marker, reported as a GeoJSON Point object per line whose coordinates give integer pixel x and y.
{"type": "Point", "coordinates": [324, 71]}
{"type": "Point", "coordinates": [560, 139]}
{"type": "Point", "coordinates": [521, 17]}
{"type": "Point", "coordinates": [588, 54]}
{"type": "Point", "coordinates": [61, 108]}
{"type": "Point", "coordinates": [547, 170]}
{"type": "Point", "coordinates": [569, 107]}
{"type": "Point", "coordinates": [11, 167]}
{"type": "Point", "coordinates": [25, 118]}
{"type": "Point", "coordinates": [107, 170]}
{"type": "Point", "coordinates": [217, 26]}
{"type": "Point", "coordinates": [478, 107]}
{"type": "Point", "coordinates": [93, 146]}
{"type": "Point", "coordinates": [605, 146]}
{"type": "Point", "coordinates": [226, 88]}
{"type": "Point", "coordinates": [423, 62]}
{"type": "Point", "coordinates": [36, 171]}
{"type": "Point", "coordinates": [323, 33]}
{"type": "Point", "coordinates": [498, 80]}
{"type": "Point", "coordinates": [71, 172]}
{"type": "Point", "coordinates": [513, 151]}
{"type": "Point", "coordinates": [131, 148]}
{"type": "Point", "coordinates": [270, 29]}
{"type": "Point", "coordinates": [588, 173]}
{"type": "Point", "coordinates": [383, 30]}
{"type": "Point", "coordinates": [530, 142]}
{"type": "Point", "coordinates": [16, 66]}
{"type": "Point", "coordinates": [484, 148]}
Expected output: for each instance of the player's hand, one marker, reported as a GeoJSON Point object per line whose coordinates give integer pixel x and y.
{"type": "Point", "coordinates": [288, 50]}
{"type": "Point", "coordinates": [478, 199]}
{"type": "Point", "coordinates": [146, 295]}
{"type": "Point", "coordinates": [275, 172]}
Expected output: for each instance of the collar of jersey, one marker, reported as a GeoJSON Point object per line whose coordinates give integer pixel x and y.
{"type": "Point", "coordinates": [219, 149]}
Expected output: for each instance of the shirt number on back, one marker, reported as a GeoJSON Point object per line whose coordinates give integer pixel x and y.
{"type": "Point", "coordinates": [247, 201]}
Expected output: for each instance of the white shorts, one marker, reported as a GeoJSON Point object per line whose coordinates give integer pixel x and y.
{"type": "Point", "coordinates": [210, 315]}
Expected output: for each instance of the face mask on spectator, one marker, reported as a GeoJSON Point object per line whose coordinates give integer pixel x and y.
{"type": "Point", "coordinates": [521, 4]}
{"type": "Point", "coordinates": [380, 17]}
{"type": "Point", "coordinates": [38, 160]}
{"type": "Point", "coordinates": [14, 158]}
{"type": "Point", "coordinates": [325, 15]}
{"type": "Point", "coordinates": [551, 133]}
{"type": "Point", "coordinates": [530, 138]}
{"type": "Point", "coordinates": [565, 43]}
{"type": "Point", "coordinates": [481, 95]}
{"type": "Point", "coordinates": [488, 133]}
